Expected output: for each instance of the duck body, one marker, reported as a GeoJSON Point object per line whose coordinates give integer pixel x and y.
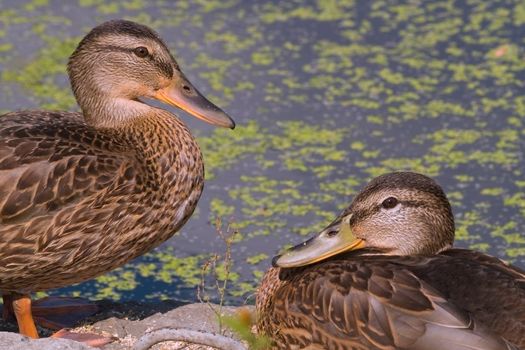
{"type": "Point", "coordinates": [83, 193]}
{"type": "Point", "coordinates": [359, 301]}
{"type": "Point", "coordinates": [383, 275]}
{"type": "Point", "coordinates": [76, 201]}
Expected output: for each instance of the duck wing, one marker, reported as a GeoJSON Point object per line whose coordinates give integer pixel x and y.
{"type": "Point", "coordinates": [51, 160]}
{"type": "Point", "coordinates": [61, 183]}
{"type": "Point", "coordinates": [490, 290]}
{"type": "Point", "coordinates": [370, 305]}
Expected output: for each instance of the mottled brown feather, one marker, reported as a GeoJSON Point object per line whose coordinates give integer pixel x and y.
{"type": "Point", "coordinates": [76, 202]}
{"type": "Point", "coordinates": [340, 304]}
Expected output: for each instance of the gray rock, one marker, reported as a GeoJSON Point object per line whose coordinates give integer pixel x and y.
{"type": "Point", "coordinates": [192, 316]}
{"type": "Point", "coordinates": [14, 341]}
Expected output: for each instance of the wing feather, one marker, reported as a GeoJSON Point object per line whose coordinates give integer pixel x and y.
{"type": "Point", "coordinates": [371, 305]}
{"type": "Point", "coordinates": [48, 162]}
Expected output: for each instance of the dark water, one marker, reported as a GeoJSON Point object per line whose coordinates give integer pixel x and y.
{"type": "Point", "coordinates": [327, 95]}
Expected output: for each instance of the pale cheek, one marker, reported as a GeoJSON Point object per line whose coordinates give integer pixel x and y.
{"type": "Point", "coordinates": [131, 90]}
{"type": "Point", "coordinates": [374, 234]}
{"type": "Point", "coordinates": [164, 82]}
{"type": "Point", "coordinates": [104, 85]}
{"type": "Point", "coordinates": [387, 233]}
{"type": "Point", "coordinates": [393, 211]}
{"type": "Point", "coordinates": [360, 230]}
{"type": "Point", "coordinates": [387, 241]}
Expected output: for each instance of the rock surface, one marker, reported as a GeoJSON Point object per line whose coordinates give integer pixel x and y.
{"type": "Point", "coordinates": [14, 341]}
{"type": "Point", "coordinates": [127, 323]}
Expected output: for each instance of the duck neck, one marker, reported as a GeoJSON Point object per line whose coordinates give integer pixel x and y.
{"type": "Point", "coordinates": [172, 164]}
{"type": "Point", "coordinates": [101, 111]}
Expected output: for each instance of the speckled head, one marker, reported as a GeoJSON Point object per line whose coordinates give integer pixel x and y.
{"type": "Point", "coordinates": [119, 62]}
{"type": "Point", "coordinates": [401, 213]}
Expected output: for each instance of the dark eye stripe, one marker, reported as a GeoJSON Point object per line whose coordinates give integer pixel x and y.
{"type": "Point", "coordinates": [114, 48]}
{"type": "Point", "coordinates": [412, 203]}
{"type": "Point", "coordinates": [164, 67]}
{"type": "Point", "coordinates": [365, 214]}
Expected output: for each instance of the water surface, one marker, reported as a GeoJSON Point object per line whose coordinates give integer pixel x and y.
{"type": "Point", "coordinates": [326, 95]}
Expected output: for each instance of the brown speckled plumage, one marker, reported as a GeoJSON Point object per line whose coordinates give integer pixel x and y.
{"type": "Point", "coordinates": [76, 202]}
{"type": "Point", "coordinates": [370, 299]}
{"type": "Point", "coordinates": [81, 194]}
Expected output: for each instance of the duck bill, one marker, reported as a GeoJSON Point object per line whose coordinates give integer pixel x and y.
{"type": "Point", "coordinates": [336, 238]}
{"type": "Point", "coordinates": [182, 94]}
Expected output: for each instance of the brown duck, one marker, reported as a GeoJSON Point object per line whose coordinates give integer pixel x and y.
{"type": "Point", "coordinates": [384, 275]}
{"type": "Point", "coordinates": [83, 193]}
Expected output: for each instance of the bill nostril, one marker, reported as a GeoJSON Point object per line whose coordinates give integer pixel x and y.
{"type": "Point", "coordinates": [332, 233]}
{"type": "Point", "coordinates": [186, 88]}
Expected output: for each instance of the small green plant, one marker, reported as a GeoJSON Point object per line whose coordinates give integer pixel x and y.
{"type": "Point", "coordinates": [242, 324]}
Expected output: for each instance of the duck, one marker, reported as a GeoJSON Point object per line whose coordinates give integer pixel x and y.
{"type": "Point", "coordinates": [385, 275]}
{"type": "Point", "coordinates": [82, 193]}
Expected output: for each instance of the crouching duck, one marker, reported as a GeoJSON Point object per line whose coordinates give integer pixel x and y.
{"type": "Point", "coordinates": [384, 275]}
{"type": "Point", "coordinates": [84, 193]}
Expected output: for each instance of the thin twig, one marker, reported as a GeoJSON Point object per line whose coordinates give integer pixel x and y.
{"type": "Point", "coordinates": [212, 265]}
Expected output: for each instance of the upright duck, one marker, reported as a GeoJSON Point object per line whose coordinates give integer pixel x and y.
{"type": "Point", "coordinates": [83, 193]}
{"type": "Point", "coordinates": [384, 275]}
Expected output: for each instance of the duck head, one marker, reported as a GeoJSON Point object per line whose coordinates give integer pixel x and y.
{"type": "Point", "coordinates": [119, 62]}
{"type": "Point", "coordinates": [401, 213]}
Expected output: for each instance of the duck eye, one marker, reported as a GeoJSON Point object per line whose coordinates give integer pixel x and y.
{"type": "Point", "coordinates": [141, 51]}
{"type": "Point", "coordinates": [389, 203]}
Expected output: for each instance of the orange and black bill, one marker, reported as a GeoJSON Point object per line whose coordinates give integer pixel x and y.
{"type": "Point", "coordinates": [182, 94]}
